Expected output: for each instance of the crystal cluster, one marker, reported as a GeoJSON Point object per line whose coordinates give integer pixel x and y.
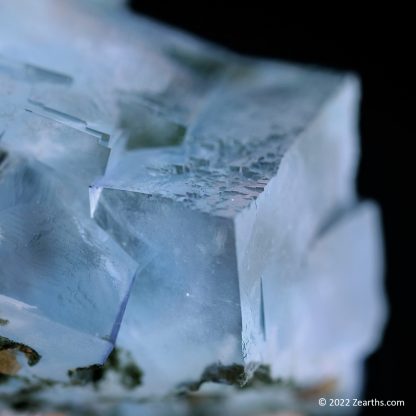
{"type": "Point", "coordinates": [192, 207]}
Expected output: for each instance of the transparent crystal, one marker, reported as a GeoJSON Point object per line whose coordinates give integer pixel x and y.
{"type": "Point", "coordinates": [64, 283]}
{"type": "Point", "coordinates": [226, 184]}
{"type": "Point", "coordinates": [227, 216]}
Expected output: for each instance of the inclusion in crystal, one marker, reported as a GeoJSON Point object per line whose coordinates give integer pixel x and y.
{"type": "Point", "coordinates": [226, 184]}
{"type": "Point", "coordinates": [63, 282]}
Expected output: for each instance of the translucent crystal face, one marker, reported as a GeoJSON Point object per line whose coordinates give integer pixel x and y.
{"type": "Point", "coordinates": [52, 258]}
{"type": "Point", "coordinates": [250, 183]}
{"type": "Point", "coordinates": [131, 149]}
{"type": "Point", "coordinates": [59, 264]}
{"type": "Point", "coordinates": [75, 156]}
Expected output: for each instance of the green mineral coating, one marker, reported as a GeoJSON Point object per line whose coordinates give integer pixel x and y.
{"type": "Point", "coordinates": [32, 356]}
{"type": "Point", "coordinates": [85, 375]}
{"type": "Point", "coordinates": [235, 375]}
{"type": "Point", "coordinates": [261, 376]}
{"type": "Point", "coordinates": [3, 322]}
{"type": "Point", "coordinates": [129, 373]}
{"type": "Point", "coordinates": [131, 376]}
{"type": "Point", "coordinates": [113, 360]}
{"type": "Point", "coordinates": [230, 374]}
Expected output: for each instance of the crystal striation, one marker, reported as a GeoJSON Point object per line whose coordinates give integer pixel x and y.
{"type": "Point", "coordinates": [219, 216]}
{"type": "Point", "coordinates": [59, 271]}
{"type": "Point", "coordinates": [191, 206]}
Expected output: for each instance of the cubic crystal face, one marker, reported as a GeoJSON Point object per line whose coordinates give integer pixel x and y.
{"type": "Point", "coordinates": [193, 207]}
{"type": "Point", "coordinates": [220, 216]}
{"type": "Point", "coordinates": [56, 263]}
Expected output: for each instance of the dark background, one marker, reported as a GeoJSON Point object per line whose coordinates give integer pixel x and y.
{"type": "Point", "coordinates": [377, 47]}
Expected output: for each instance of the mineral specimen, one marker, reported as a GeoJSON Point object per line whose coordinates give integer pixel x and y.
{"type": "Point", "coordinates": [64, 283]}
{"type": "Point", "coordinates": [206, 196]}
{"type": "Point", "coordinates": [230, 221]}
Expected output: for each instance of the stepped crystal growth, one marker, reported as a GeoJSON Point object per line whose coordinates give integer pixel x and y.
{"type": "Point", "coordinates": [193, 207]}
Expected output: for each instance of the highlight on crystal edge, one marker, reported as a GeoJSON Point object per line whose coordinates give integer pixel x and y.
{"type": "Point", "coordinates": [176, 221]}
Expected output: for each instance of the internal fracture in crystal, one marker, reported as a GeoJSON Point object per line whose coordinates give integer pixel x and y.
{"type": "Point", "coordinates": [194, 207]}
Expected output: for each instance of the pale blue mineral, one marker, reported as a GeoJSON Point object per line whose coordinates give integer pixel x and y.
{"type": "Point", "coordinates": [207, 196]}
{"type": "Point", "coordinates": [63, 282]}
{"type": "Point", "coordinates": [230, 214]}
{"type": "Point", "coordinates": [337, 311]}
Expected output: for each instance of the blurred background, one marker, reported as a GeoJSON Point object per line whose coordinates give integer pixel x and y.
{"type": "Point", "coordinates": [376, 47]}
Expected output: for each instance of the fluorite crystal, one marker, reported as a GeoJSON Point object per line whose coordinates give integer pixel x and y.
{"type": "Point", "coordinates": [201, 202]}
{"type": "Point", "coordinates": [230, 221]}
{"type": "Point", "coordinates": [64, 283]}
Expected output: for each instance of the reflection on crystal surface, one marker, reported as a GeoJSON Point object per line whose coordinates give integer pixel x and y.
{"type": "Point", "coordinates": [225, 185]}
{"type": "Point", "coordinates": [59, 264]}
{"type": "Point", "coordinates": [247, 198]}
